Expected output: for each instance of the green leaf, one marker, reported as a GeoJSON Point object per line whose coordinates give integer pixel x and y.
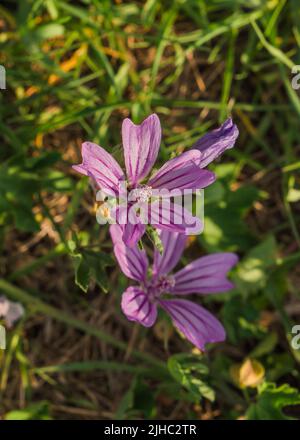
{"type": "Point", "coordinates": [24, 219]}
{"type": "Point", "coordinates": [266, 346]}
{"type": "Point", "coordinates": [89, 265]}
{"type": "Point", "coordinates": [98, 261]}
{"type": "Point", "coordinates": [42, 161]}
{"type": "Point", "coordinates": [49, 30]}
{"type": "Point", "coordinates": [139, 400]}
{"type": "Point", "coordinates": [125, 405]}
{"type": "Point", "coordinates": [144, 399]}
{"type": "Point", "coordinates": [36, 411]}
{"type": "Point", "coordinates": [225, 227]}
{"type": "Point", "coordinates": [252, 273]}
{"type": "Point", "coordinates": [293, 195]}
{"type": "Point", "coordinates": [214, 193]}
{"type": "Point", "coordinates": [240, 318]}
{"type": "Point", "coordinates": [192, 374]}
{"type": "Point", "coordinates": [271, 401]}
{"type": "Point", "coordinates": [57, 181]}
{"type": "Point", "coordinates": [21, 180]}
{"type": "Point", "coordinates": [82, 272]}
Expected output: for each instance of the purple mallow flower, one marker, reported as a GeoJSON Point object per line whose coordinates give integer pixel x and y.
{"type": "Point", "coordinates": [213, 144]}
{"type": "Point", "coordinates": [205, 275]}
{"type": "Point", "coordinates": [141, 145]}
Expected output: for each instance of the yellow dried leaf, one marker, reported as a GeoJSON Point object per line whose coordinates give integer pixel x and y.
{"type": "Point", "coordinates": [248, 374]}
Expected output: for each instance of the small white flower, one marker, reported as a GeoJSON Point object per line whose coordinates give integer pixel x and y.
{"type": "Point", "coordinates": [10, 311]}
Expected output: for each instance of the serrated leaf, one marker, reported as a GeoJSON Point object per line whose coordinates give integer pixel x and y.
{"type": "Point", "coordinates": [271, 401]}
{"type": "Point", "coordinates": [89, 265]}
{"type": "Point", "coordinates": [192, 374]}
{"type": "Point", "coordinates": [82, 272]}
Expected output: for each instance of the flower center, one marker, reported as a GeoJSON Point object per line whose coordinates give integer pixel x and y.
{"type": "Point", "coordinates": [142, 194]}
{"type": "Point", "coordinates": [163, 284]}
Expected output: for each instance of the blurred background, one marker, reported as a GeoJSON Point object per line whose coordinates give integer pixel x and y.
{"type": "Point", "coordinates": [74, 70]}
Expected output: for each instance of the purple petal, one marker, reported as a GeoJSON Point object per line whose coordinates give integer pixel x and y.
{"type": "Point", "coordinates": [173, 244]}
{"type": "Point", "coordinates": [137, 307]}
{"type": "Point", "coordinates": [172, 217]}
{"type": "Point", "coordinates": [216, 142]}
{"type": "Point", "coordinates": [141, 144]}
{"type": "Point", "coordinates": [206, 275]}
{"type": "Point", "coordinates": [182, 172]}
{"type": "Point", "coordinates": [133, 261]}
{"type": "Point", "coordinates": [132, 233]}
{"type": "Point", "coordinates": [132, 226]}
{"type": "Point", "coordinates": [196, 323]}
{"type": "Point", "coordinates": [100, 166]}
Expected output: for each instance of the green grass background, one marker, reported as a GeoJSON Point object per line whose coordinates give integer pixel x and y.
{"type": "Point", "coordinates": [74, 70]}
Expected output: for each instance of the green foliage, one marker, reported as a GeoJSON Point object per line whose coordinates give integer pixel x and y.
{"type": "Point", "coordinates": [225, 211]}
{"type": "Point", "coordinates": [138, 401]}
{"type": "Point", "coordinates": [254, 270]}
{"type": "Point", "coordinates": [36, 411]}
{"type": "Point", "coordinates": [155, 238]}
{"type": "Point", "coordinates": [241, 320]}
{"type": "Point", "coordinates": [192, 374]}
{"type": "Point", "coordinates": [16, 198]}
{"type": "Point", "coordinates": [21, 181]}
{"type": "Point", "coordinates": [90, 265]}
{"type": "Point", "coordinates": [265, 346]}
{"type": "Point", "coordinates": [271, 401]}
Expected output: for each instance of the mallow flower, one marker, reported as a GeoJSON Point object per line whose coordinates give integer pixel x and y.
{"type": "Point", "coordinates": [141, 145]}
{"type": "Point", "coordinates": [157, 286]}
{"type": "Point", "coordinates": [214, 143]}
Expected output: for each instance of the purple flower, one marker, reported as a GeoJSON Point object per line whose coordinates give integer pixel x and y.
{"type": "Point", "coordinates": [141, 145]}
{"type": "Point", "coordinates": [10, 311]}
{"type": "Point", "coordinates": [213, 144]}
{"type": "Point", "coordinates": [204, 276]}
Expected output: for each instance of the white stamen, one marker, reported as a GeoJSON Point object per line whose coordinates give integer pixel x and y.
{"type": "Point", "coordinates": [142, 194]}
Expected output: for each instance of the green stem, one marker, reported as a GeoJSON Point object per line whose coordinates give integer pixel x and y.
{"type": "Point", "coordinates": [39, 306]}
{"type": "Point", "coordinates": [60, 249]}
{"type": "Point", "coordinates": [94, 365]}
{"type": "Point", "coordinates": [181, 103]}
{"type": "Point", "coordinates": [289, 259]}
